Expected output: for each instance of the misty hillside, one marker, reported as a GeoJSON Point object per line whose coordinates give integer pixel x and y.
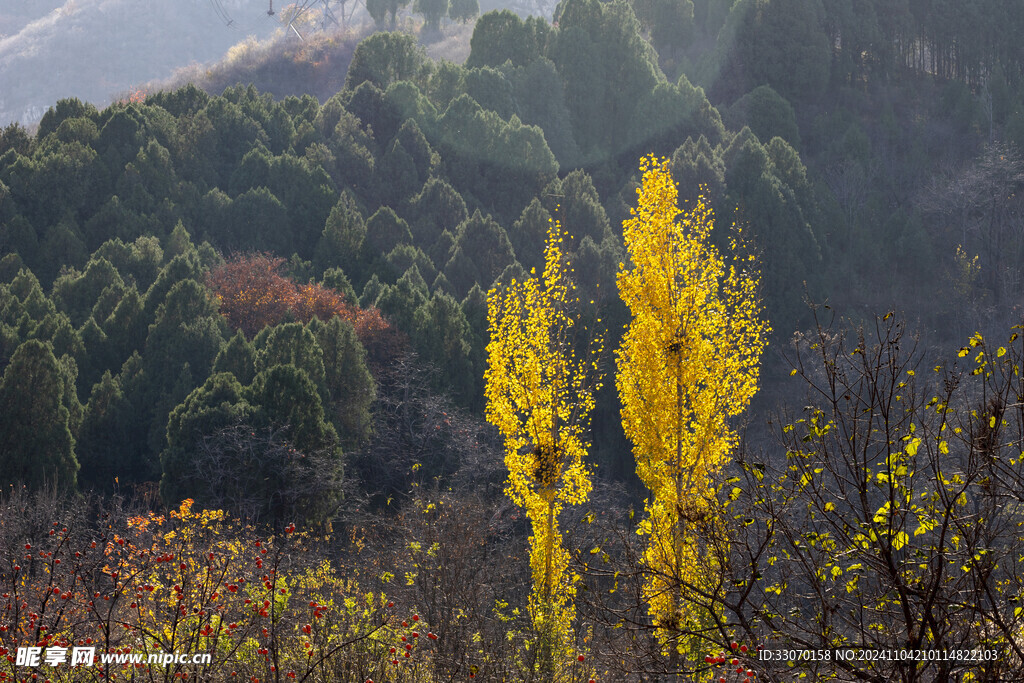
{"type": "Point", "coordinates": [96, 50]}
{"type": "Point", "coordinates": [100, 50]}
{"type": "Point", "coordinates": [283, 66]}
{"type": "Point", "coordinates": [15, 17]}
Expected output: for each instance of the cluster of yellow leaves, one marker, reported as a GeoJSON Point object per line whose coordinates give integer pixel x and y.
{"type": "Point", "coordinates": [538, 391]}
{"type": "Point", "coordinates": [539, 394]}
{"type": "Point", "coordinates": [688, 361]}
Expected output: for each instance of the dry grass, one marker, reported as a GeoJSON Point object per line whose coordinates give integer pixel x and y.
{"type": "Point", "coordinates": [284, 65]}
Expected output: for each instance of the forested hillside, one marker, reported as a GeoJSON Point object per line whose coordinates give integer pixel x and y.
{"type": "Point", "coordinates": [278, 307]}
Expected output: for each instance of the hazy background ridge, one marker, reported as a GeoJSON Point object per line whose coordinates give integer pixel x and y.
{"type": "Point", "coordinates": [96, 50]}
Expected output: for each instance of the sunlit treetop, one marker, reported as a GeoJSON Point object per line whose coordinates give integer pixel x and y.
{"type": "Point", "coordinates": [540, 391]}
{"type": "Point", "coordinates": [690, 357]}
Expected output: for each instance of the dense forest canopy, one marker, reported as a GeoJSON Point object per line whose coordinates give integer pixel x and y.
{"type": "Point", "coordinates": [278, 306]}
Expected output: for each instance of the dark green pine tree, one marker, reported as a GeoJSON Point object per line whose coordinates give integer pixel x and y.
{"type": "Point", "coordinates": [76, 293]}
{"type": "Point", "coordinates": [217, 404]}
{"type": "Point", "coordinates": [336, 279]}
{"type": "Point", "coordinates": [36, 445]}
{"type": "Point", "coordinates": [188, 330]}
{"type": "Point", "coordinates": [291, 344]}
{"type": "Point", "coordinates": [540, 96]}
{"type": "Point", "coordinates": [349, 384]}
{"type": "Point", "coordinates": [179, 268]}
{"type": "Point", "coordinates": [574, 201]}
{"type": "Point", "coordinates": [442, 337]}
{"type": "Point", "coordinates": [398, 302]}
{"type": "Point", "coordinates": [371, 291]}
{"type": "Point", "coordinates": [238, 357]}
{"type": "Point", "coordinates": [286, 396]}
{"type": "Point", "coordinates": [501, 36]}
{"type": "Point", "coordinates": [102, 446]}
{"type": "Point", "coordinates": [491, 90]}
{"type": "Point", "coordinates": [438, 207]}
{"type": "Point", "coordinates": [178, 242]}
{"type": "Point", "coordinates": [342, 239]}
{"type": "Point", "coordinates": [481, 253]}
{"type": "Point", "coordinates": [405, 256]}
{"type": "Point", "coordinates": [384, 58]}
{"type": "Point", "coordinates": [396, 175]}
{"type": "Point", "coordinates": [125, 328]}
{"type": "Point", "coordinates": [180, 349]}
{"type": "Point", "coordinates": [385, 231]}
{"type": "Point", "coordinates": [474, 307]}
{"type": "Point", "coordinates": [528, 234]}
{"type": "Point", "coordinates": [415, 144]}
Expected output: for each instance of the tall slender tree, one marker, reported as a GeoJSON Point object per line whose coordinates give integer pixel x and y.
{"type": "Point", "coordinates": [540, 392]}
{"type": "Point", "coordinates": [689, 361]}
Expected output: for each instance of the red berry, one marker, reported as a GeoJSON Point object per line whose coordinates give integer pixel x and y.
{"type": "Point", "coordinates": [580, 658]}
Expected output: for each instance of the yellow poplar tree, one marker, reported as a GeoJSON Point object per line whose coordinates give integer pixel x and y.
{"type": "Point", "coordinates": [688, 361]}
{"type": "Point", "coordinates": [539, 394]}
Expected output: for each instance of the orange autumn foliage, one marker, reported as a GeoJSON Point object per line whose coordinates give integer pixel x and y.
{"type": "Point", "coordinates": [253, 294]}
